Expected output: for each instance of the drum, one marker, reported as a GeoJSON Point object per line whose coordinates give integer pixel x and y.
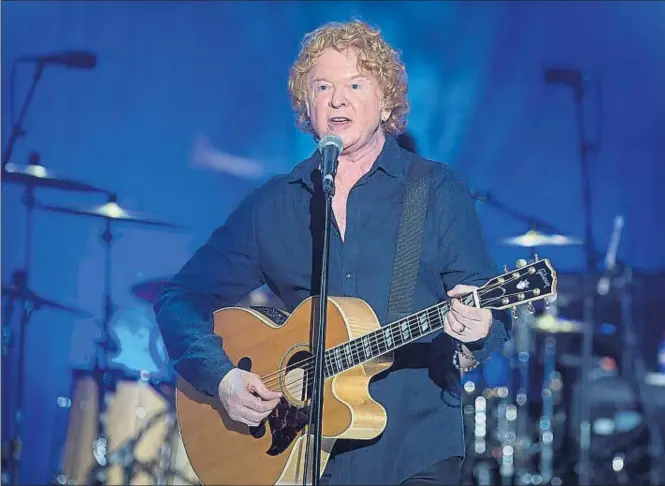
{"type": "Point", "coordinates": [141, 349]}
{"type": "Point", "coordinates": [143, 441]}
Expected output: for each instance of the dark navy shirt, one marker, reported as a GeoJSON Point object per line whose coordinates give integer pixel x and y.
{"type": "Point", "coordinates": [274, 237]}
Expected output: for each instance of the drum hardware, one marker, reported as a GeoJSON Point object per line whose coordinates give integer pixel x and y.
{"type": "Point", "coordinates": [124, 455]}
{"type": "Point", "coordinates": [168, 469]}
{"type": "Point", "coordinates": [521, 362]}
{"type": "Point", "coordinates": [546, 429]}
{"type": "Point", "coordinates": [30, 177]}
{"type": "Point", "coordinates": [635, 368]}
{"type": "Point", "coordinates": [109, 212]}
{"type": "Point", "coordinates": [144, 444]}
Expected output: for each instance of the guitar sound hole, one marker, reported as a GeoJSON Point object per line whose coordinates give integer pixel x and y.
{"type": "Point", "coordinates": [298, 376]}
{"type": "Point", "coordinates": [245, 364]}
{"type": "Point", "coordinates": [292, 412]}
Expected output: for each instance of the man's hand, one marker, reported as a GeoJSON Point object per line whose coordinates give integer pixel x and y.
{"type": "Point", "coordinates": [245, 397]}
{"type": "Point", "coordinates": [463, 322]}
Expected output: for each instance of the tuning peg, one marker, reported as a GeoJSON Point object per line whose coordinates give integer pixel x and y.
{"type": "Point", "coordinates": [547, 303]}
{"type": "Point", "coordinates": [514, 313]}
{"type": "Point", "coordinates": [535, 257]}
{"type": "Point", "coordinates": [521, 263]}
{"type": "Point", "coordinates": [530, 309]}
{"type": "Point", "coordinates": [505, 269]}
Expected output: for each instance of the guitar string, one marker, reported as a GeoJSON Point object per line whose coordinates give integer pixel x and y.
{"type": "Point", "coordinates": [372, 335]}
{"type": "Point", "coordinates": [369, 336]}
{"type": "Point", "coordinates": [481, 292]}
{"type": "Point", "coordinates": [375, 345]}
{"type": "Point", "coordinates": [306, 369]}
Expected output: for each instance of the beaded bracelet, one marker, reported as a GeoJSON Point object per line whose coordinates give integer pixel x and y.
{"type": "Point", "coordinates": [456, 360]}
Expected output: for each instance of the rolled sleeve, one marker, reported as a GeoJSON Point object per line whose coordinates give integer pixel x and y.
{"type": "Point", "coordinates": [219, 274]}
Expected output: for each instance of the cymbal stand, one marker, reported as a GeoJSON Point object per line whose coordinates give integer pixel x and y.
{"type": "Point", "coordinates": [506, 421]}
{"type": "Point", "coordinates": [124, 455]}
{"type": "Point", "coordinates": [523, 441]}
{"type": "Point", "coordinates": [167, 464]}
{"type": "Point", "coordinates": [12, 450]}
{"type": "Point", "coordinates": [105, 346]}
{"type": "Point", "coordinates": [545, 428]}
{"type": "Point", "coordinates": [638, 371]}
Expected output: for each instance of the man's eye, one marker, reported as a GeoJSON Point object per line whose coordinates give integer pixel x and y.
{"type": "Point", "coordinates": [355, 86]}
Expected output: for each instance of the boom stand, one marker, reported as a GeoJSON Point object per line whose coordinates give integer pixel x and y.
{"type": "Point", "coordinates": [585, 147]}
{"type": "Point", "coordinates": [17, 128]}
{"type": "Point", "coordinates": [316, 409]}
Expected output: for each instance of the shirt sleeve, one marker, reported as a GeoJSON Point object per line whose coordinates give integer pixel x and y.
{"type": "Point", "coordinates": [219, 274]}
{"type": "Point", "coordinates": [465, 258]}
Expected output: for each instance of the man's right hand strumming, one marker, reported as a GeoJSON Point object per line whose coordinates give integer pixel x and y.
{"type": "Point", "coordinates": [245, 397]}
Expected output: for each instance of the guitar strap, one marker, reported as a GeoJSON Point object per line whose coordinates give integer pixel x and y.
{"type": "Point", "coordinates": [409, 240]}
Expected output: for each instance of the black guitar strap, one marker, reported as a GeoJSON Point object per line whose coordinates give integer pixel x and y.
{"type": "Point", "coordinates": [409, 240]}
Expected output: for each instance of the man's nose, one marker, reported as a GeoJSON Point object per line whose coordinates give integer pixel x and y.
{"type": "Point", "coordinates": [337, 100]}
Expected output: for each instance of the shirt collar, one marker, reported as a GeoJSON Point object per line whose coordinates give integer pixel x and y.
{"type": "Point", "coordinates": [392, 160]}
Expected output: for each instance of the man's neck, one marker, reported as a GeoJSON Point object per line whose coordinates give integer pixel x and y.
{"type": "Point", "coordinates": [354, 165]}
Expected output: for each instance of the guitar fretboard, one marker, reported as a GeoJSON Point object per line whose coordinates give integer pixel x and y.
{"type": "Point", "coordinates": [388, 338]}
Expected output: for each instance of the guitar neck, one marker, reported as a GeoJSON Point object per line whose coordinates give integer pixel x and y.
{"type": "Point", "coordinates": [527, 283]}
{"type": "Point", "coordinates": [388, 338]}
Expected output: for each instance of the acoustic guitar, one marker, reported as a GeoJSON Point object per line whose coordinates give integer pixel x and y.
{"type": "Point", "coordinates": [276, 346]}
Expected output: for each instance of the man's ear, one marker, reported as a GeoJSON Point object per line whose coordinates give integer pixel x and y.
{"type": "Point", "coordinates": [385, 114]}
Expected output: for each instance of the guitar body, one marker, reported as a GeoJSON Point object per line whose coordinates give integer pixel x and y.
{"type": "Point", "coordinates": [223, 452]}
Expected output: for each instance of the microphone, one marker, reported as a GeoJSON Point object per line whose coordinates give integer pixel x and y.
{"type": "Point", "coordinates": [330, 147]}
{"type": "Point", "coordinates": [611, 257]}
{"type": "Point", "coordinates": [71, 59]}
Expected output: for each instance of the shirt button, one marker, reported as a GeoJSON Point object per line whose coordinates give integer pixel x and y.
{"type": "Point", "coordinates": [348, 275]}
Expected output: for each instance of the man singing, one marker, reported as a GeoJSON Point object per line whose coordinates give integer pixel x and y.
{"type": "Point", "coordinates": [347, 81]}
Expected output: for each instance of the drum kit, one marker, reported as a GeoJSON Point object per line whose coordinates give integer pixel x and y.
{"type": "Point", "coordinates": [121, 426]}
{"type": "Point", "coordinates": [563, 401]}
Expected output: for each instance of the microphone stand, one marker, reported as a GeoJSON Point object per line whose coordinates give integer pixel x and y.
{"type": "Point", "coordinates": [585, 147]}
{"type": "Point", "coordinates": [316, 409]}
{"type": "Point", "coordinates": [17, 128]}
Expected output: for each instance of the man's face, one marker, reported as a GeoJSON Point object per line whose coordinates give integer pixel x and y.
{"type": "Point", "coordinates": [342, 100]}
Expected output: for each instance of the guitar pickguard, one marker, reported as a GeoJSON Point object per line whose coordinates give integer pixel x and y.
{"type": "Point", "coordinates": [286, 421]}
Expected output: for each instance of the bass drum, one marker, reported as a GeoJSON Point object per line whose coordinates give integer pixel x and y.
{"type": "Point", "coordinates": [144, 445]}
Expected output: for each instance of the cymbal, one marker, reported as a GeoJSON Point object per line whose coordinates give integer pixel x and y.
{"type": "Point", "coordinates": [39, 176]}
{"type": "Point", "coordinates": [534, 238]}
{"type": "Point", "coordinates": [555, 325]}
{"type": "Point", "coordinates": [13, 291]}
{"type": "Point", "coordinates": [110, 211]}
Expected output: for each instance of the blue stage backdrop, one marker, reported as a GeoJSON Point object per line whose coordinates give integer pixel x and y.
{"type": "Point", "coordinates": [187, 110]}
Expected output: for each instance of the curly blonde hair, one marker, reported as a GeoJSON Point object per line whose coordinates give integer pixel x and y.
{"type": "Point", "coordinates": [375, 57]}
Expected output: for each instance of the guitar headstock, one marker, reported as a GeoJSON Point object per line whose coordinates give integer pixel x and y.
{"type": "Point", "coordinates": [529, 282]}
